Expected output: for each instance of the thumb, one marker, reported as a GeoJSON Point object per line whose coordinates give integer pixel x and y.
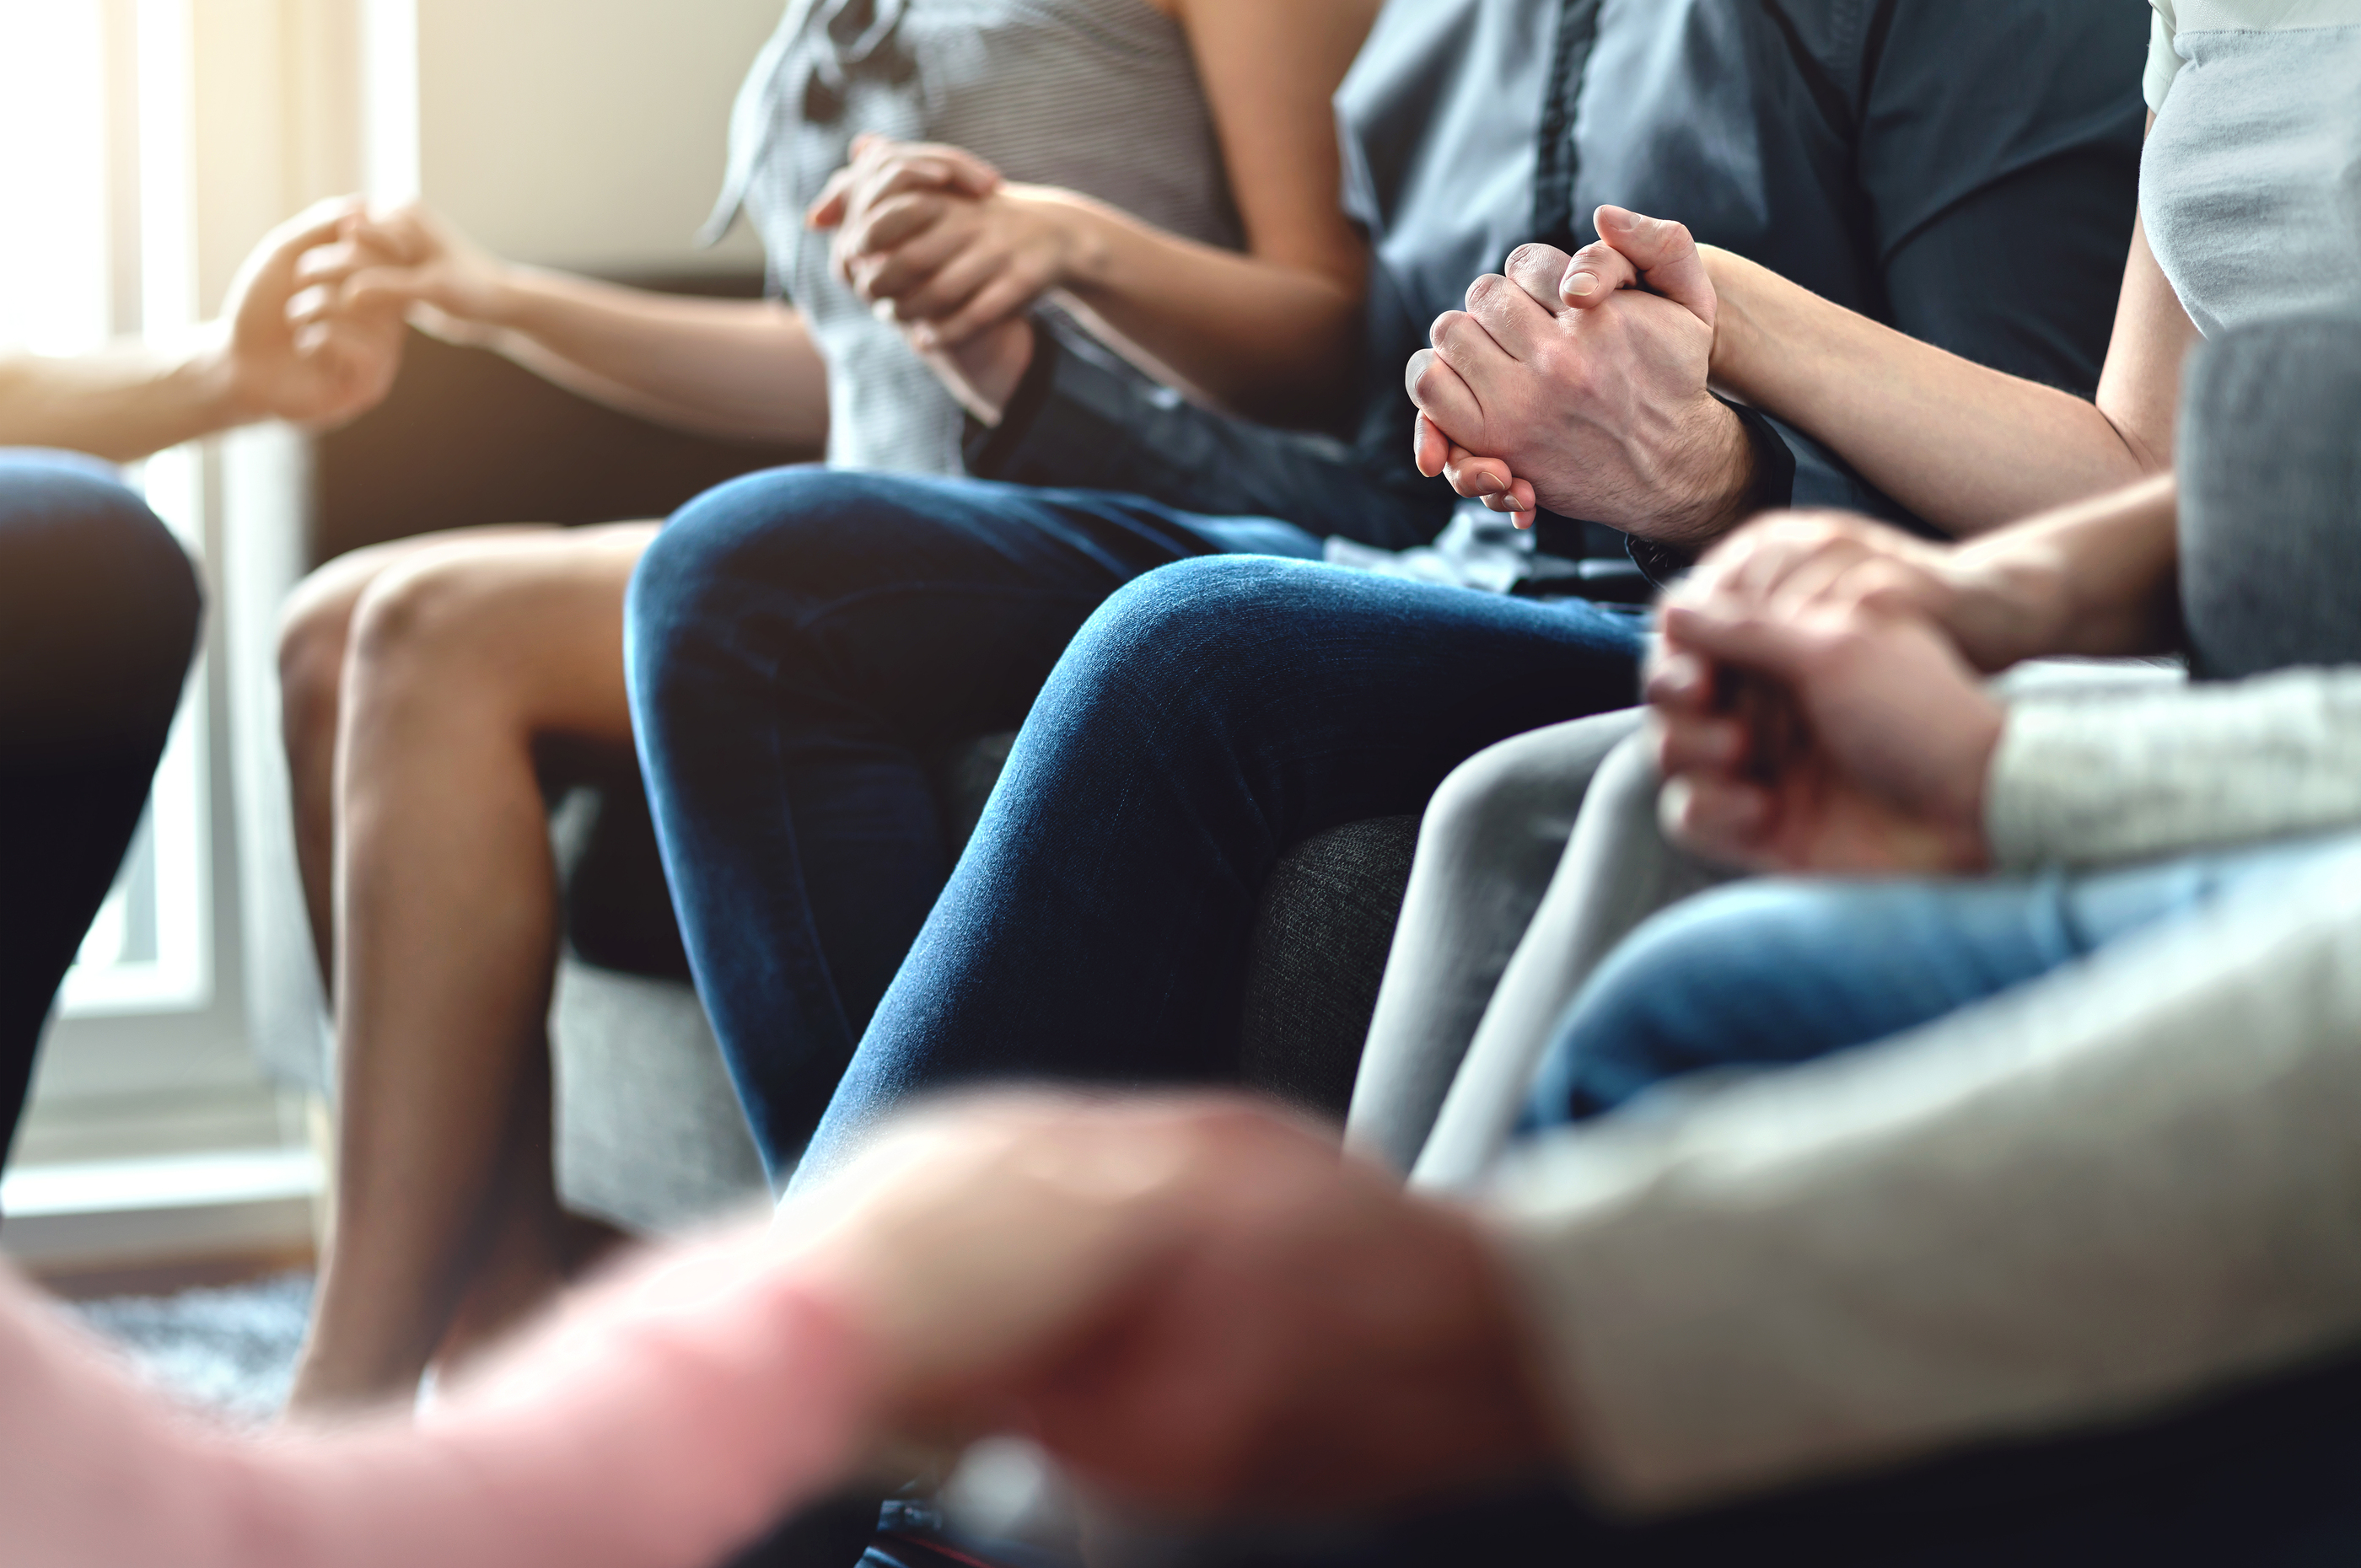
{"type": "Point", "coordinates": [1665, 255]}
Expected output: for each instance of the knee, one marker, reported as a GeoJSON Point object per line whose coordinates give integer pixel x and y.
{"type": "Point", "coordinates": [1199, 635]}
{"type": "Point", "coordinates": [751, 541]}
{"type": "Point", "coordinates": [772, 528]}
{"type": "Point", "coordinates": [430, 629]}
{"type": "Point", "coordinates": [1710, 982]}
{"type": "Point", "coordinates": [99, 600]}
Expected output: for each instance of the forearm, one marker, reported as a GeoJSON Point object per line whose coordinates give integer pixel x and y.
{"type": "Point", "coordinates": [739, 368]}
{"type": "Point", "coordinates": [1089, 420]}
{"type": "Point", "coordinates": [120, 404]}
{"type": "Point", "coordinates": [1255, 337]}
{"type": "Point", "coordinates": [2093, 579]}
{"type": "Point", "coordinates": [2117, 777]}
{"type": "Point", "coordinates": [1963, 446]}
{"type": "Point", "coordinates": [663, 1441]}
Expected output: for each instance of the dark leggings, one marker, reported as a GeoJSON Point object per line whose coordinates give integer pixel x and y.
{"type": "Point", "coordinates": [99, 610]}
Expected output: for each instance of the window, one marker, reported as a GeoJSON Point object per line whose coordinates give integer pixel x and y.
{"type": "Point", "coordinates": [96, 181]}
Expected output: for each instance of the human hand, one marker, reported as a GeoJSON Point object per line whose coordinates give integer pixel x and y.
{"type": "Point", "coordinates": [1790, 559]}
{"type": "Point", "coordinates": [1565, 385]}
{"type": "Point", "coordinates": [278, 363]}
{"type": "Point", "coordinates": [983, 372]}
{"type": "Point", "coordinates": [932, 236]}
{"type": "Point", "coordinates": [410, 261]}
{"type": "Point", "coordinates": [1812, 713]}
{"type": "Point", "coordinates": [1200, 1306]}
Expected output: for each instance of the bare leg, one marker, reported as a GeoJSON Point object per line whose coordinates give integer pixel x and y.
{"type": "Point", "coordinates": [313, 636]}
{"type": "Point", "coordinates": [459, 657]}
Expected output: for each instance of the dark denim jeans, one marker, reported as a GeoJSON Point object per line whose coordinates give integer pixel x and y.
{"type": "Point", "coordinates": [99, 610]}
{"type": "Point", "coordinates": [1208, 717]}
{"type": "Point", "coordinates": [801, 642]}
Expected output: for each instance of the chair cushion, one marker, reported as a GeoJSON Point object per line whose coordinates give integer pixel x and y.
{"type": "Point", "coordinates": [1319, 949]}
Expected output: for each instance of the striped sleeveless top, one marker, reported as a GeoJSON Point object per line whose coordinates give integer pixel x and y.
{"type": "Point", "coordinates": [1097, 96]}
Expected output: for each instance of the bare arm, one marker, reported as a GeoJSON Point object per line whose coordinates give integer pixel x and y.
{"type": "Point", "coordinates": [1268, 332]}
{"type": "Point", "coordinates": [1873, 640]}
{"type": "Point", "coordinates": [256, 363]}
{"type": "Point", "coordinates": [1964, 447]}
{"type": "Point", "coordinates": [121, 404]}
{"type": "Point", "coordinates": [1517, 415]}
{"type": "Point", "coordinates": [1272, 331]}
{"type": "Point", "coordinates": [739, 369]}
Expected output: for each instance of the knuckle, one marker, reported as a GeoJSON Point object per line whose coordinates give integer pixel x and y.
{"type": "Point", "coordinates": [1569, 370]}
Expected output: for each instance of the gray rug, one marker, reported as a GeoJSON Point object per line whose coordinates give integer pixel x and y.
{"type": "Point", "coordinates": [229, 1351]}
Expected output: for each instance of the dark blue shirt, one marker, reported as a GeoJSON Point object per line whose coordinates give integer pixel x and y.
{"type": "Point", "coordinates": [1965, 173]}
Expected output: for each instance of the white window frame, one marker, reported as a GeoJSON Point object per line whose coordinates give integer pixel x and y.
{"type": "Point", "coordinates": [221, 117]}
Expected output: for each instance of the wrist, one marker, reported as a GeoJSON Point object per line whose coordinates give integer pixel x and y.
{"type": "Point", "coordinates": [1082, 236]}
{"type": "Point", "coordinates": [1967, 845]}
{"type": "Point", "coordinates": [1733, 322]}
{"type": "Point", "coordinates": [504, 297]}
{"type": "Point", "coordinates": [2002, 612]}
{"type": "Point", "coordinates": [1726, 482]}
{"type": "Point", "coordinates": [213, 385]}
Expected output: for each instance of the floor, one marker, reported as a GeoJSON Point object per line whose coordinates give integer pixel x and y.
{"type": "Point", "coordinates": [230, 1350]}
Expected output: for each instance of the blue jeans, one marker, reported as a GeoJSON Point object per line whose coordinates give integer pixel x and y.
{"type": "Point", "coordinates": [1784, 969]}
{"type": "Point", "coordinates": [1209, 716]}
{"type": "Point", "coordinates": [99, 610]}
{"type": "Point", "coordinates": [799, 643]}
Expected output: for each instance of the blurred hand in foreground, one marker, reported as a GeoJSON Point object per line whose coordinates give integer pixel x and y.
{"type": "Point", "coordinates": [1814, 710]}
{"type": "Point", "coordinates": [1198, 1304]}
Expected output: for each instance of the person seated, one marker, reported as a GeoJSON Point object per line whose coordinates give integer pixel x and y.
{"type": "Point", "coordinates": [99, 605]}
{"type": "Point", "coordinates": [1492, 988]}
{"type": "Point", "coordinates": [1814, 965]}
{"type": "Point", "coordinates": [1964, 1301]}
{"type": "Point", "coordinates": [1226, 709]}
{"type": "Point", "coordinates": [1170, 166]}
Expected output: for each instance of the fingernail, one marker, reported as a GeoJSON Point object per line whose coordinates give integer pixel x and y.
{"type": "Point", "coordinates": [1582, 283]}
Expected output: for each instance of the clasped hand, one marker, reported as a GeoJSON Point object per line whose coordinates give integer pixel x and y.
{"type": "Point", "coordinates": [1812, 709]}
{"type": "Point", "coordinates": [1200, 1305]}
{"type": "Point", "coordinates": [1579, 383]}
{"type": "Point", "coordinates": [932, 238]}
{"type": "Point", "coordinates": [286, 356]}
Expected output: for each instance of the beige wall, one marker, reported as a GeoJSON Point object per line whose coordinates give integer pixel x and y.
{"type": "Point", "coordinates": [584, 134]}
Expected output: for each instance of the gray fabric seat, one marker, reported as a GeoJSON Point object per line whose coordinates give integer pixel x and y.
{"type": "Point", "coordinates": [649, 1130]}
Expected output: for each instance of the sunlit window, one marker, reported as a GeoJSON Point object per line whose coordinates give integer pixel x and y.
{"type": "Point", "coordinates": [56, 277]}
